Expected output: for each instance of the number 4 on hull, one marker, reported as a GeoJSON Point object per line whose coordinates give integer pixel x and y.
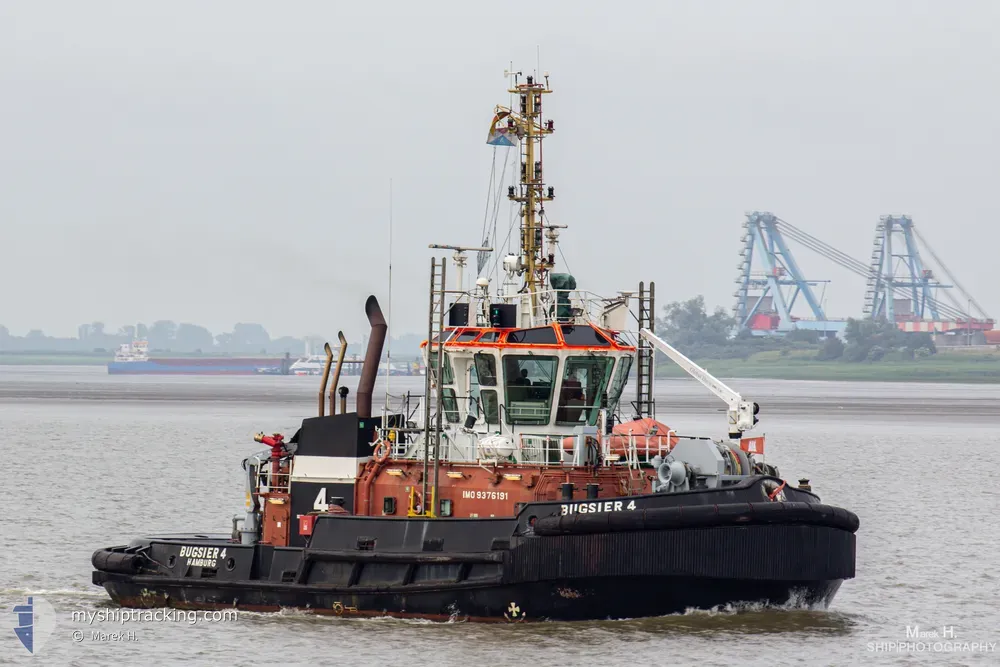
{"type": "Point", "coordinates": [320, 504]}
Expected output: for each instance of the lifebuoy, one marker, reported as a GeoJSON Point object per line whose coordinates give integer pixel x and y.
{"type": "Point", "coordinates": [382, 451]}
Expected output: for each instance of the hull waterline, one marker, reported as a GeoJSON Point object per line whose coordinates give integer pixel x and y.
{"type": "Point", "coordinates": [570, 600]}
{"type": "Point", "coordinates": [568, 568]}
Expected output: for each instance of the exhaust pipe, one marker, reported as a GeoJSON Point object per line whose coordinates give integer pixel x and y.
{"type": "Point", "coordinates": [326, 377]}
{"type": "Point", "coordinates": [366, 386]}
{"type": "Point", "coordinates": [336, 373]}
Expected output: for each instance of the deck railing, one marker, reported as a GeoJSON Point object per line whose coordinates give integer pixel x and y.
{"type": "Point", "coordinates": [273, 482]}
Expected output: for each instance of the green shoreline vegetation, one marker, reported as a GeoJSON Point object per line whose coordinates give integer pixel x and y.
{"type": "Point", "coordinates": [958, 366]}
{"type": "Point", "coordinates": [870, 351]}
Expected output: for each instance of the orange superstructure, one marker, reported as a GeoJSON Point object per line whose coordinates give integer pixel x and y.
{"type": "Point", "coordinates": [459, 337]}
{"type": "Point", "coordinates": [474, 490]}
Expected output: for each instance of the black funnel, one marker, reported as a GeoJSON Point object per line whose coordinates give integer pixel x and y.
{"type": "Point", "coordinates": [366, 386]}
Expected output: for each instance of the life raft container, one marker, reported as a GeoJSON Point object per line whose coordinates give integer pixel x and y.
{"type": "Point", "coordinates": [649, 435]}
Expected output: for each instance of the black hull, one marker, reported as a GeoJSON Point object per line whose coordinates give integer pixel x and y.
{"type": "Point", "coordinates": [551, 562]}
{"type": "Point", "coordinates": [591, 598]}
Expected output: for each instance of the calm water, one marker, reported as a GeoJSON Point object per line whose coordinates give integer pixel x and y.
{"type": "Point", "coordinates": [93, 460]}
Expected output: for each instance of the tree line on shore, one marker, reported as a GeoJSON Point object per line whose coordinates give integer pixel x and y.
{"type": "Point", "coordinates": [165, 336]}
{"type": "Point", "coordinates": [688, 326]}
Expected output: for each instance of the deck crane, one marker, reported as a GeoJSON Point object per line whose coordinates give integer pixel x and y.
{"type": "Point", "coordinates": [742, 414]}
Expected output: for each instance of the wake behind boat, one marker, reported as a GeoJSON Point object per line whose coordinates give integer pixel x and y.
{"type": "Point", "coordinates": [517, 487]}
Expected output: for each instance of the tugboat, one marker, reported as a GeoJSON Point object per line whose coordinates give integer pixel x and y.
{"type": "Point", "coordinates": [517, 487]}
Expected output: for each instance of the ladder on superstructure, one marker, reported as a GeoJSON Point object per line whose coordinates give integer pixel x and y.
{"type": "Point", "coordinates": [874, 286]}
{"type": "Point", "coordinates": [645, 405]}
{"type": "Point", "coordinates": [433, 379]}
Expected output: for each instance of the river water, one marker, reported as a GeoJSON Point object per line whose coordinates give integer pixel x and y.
{"type": "Point", "coordinates": [93, 460]}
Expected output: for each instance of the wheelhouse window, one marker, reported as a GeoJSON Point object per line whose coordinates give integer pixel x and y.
{"type": "Point", "coordinates": [448, 334]}
{"type": "Point", "coordinates": [448, 376]}
{"type": "Point", "coordinates": [474, 390]}
{"type": "Point", "coordinates": [491, 406]}
{"type": "Point", "coordinates": [449, 403]}
{"type": "Point", "coordinates": [583, 335]}
{"type": "Point", "coordinates": [583, 384]}
{"type": "Point", "coordinates": [529, 382]}
{"type": "Point", "coordinates": [486, 369]}
{"type": "Point", "coordinates": [537, 336]}
{"type": "Point", "coordinates": [621, 377]}
{"type": "Point", "coordinates": [466, 336]}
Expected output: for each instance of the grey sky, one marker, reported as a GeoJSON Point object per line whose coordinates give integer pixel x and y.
{"type": "Point", "coordinates": [215, 162]}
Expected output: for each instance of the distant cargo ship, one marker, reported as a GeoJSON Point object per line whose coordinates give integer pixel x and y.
{"type": "Point", "coordinates": [133, 359]}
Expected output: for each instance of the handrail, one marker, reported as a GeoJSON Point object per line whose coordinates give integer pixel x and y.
{"type": "Point", "coordinates": [587, 306]}
{"type": "Point", "coordinates": [277, 482]}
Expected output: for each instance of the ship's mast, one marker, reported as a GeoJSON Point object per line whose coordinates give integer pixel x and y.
{"type": "Point", "coordinates": [531, 192]}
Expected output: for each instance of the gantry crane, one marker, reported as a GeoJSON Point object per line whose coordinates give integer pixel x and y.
{"type": "Point", "coordinates": [900, 285]}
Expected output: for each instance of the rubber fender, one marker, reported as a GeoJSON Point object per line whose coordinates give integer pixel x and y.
{"type": "Point", "coordinates": [735, 512]}
{"type": "Point", "coordinates": [700, 516]}
{"type": "Point", "coordinates": [848, 518]}
{"type": "Point", "coordinates": [115, 561]}
{"type": "Point", "coordinates": [690, 515]}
